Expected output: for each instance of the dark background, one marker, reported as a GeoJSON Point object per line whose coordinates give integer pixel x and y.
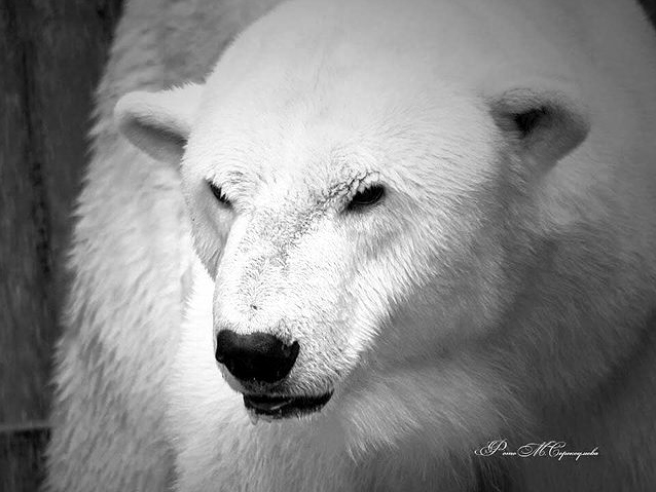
{"type": "Point", "coordinates": [51, 58]}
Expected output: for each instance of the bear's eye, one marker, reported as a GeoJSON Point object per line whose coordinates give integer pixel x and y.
{"type": "Point", "coordinates": [218, 194]}
{"type": "Point", "coordinates": [367, 197]}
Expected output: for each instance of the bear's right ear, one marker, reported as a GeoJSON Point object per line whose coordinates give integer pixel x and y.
{"type": "Point", "coordinates": [159, 123]}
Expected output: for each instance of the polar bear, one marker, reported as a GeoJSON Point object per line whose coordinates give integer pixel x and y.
{"type": "Point", "coordinates": [424, 250]}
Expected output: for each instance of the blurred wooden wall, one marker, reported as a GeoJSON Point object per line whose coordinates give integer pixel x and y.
{"type": "Point", "coordinates": [51, 57]}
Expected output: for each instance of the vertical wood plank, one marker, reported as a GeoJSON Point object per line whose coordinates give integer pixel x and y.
{"type": "Point", "coordinates": [51, 57]}
{"type": "Point", "coordinates": [23, 307]}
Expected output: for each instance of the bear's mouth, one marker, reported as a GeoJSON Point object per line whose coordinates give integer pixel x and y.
{"type": "Point", "coordinates": [282, 407]}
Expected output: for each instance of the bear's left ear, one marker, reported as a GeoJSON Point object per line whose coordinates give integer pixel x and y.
{"type": "Point", "coordinates": [544, 119]}
{"type": "Point", "coordinates": [159, 123]}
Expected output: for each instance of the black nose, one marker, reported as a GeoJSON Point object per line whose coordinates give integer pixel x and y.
{"type": "Point", "coordinates": [258, 357]}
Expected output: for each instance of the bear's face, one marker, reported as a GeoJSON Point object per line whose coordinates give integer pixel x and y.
{"type": "Point", "coordinates": [361, 209]}
{"type": "Point", "coordinates": [348, 222]}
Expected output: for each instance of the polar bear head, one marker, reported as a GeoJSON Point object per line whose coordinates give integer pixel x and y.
{"type": "Point", "coordinates": [378, 215]}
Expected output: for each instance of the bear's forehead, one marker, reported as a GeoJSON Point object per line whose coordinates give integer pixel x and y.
{"type": "Point", "coordinates": [341, 53]}
{"type": "Point", "coordinates": [323, 138]}
{"type": "Point", "coordinates": [313, 120]}
{"type": "Point", "coordinates": [328, 146]}
{"type": "Point", "coordinates": [320, 93]}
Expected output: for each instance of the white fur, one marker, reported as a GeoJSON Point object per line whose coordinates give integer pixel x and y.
{"type": "Point", "coordinates": [504, 287]}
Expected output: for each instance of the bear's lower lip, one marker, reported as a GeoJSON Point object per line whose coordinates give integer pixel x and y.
{"type": "Point", "coordinates": [281, 407]}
